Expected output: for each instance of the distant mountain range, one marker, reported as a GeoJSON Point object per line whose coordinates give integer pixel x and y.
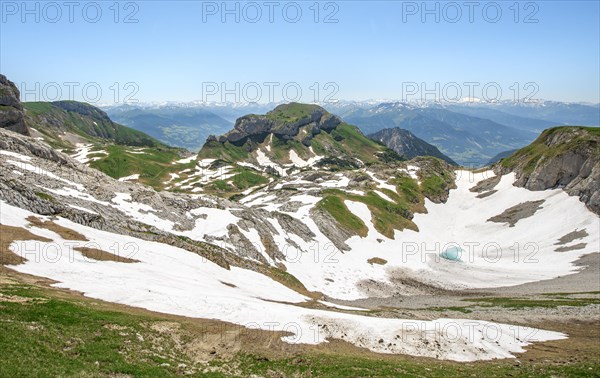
{"type": "Point", "coordinates": [469, 133]}
{"type": "Point", "coordinates": [503, 118]}
{"type": "Point", "coordinates": [553, 111]}
{"type": "Point", "coordinates": [468, 140]}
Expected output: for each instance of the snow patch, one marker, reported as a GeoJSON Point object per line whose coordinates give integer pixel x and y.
{"type": "Point", "coordinates": [130, 178]}
{"type": "Point", "coordinates": [15, 155]}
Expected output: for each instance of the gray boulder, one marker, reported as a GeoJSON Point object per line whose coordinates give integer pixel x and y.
{"type": "Point", "coordinates": [12, 116]}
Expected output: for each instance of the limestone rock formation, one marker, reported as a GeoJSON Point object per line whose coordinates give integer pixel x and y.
{"type": "Point", "coordinates": [11, 110]}
{"type": "Point", "coordinates": [563, 157]}
{"type": "Point", "coordinates": [259, 125]}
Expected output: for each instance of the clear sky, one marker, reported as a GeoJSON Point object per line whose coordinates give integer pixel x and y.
{"type": "Point", "coordinates": [355, 50]}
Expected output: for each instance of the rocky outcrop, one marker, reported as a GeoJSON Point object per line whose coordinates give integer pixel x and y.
{"type": "Point", "coordinates": [437, 178]}
{"type": "Point", "coordinates": [11, 111]}
{"type": "Point", "coordinates": [331, 228]}
{"type": "Point", "coordinates": [576, 172]}
{"type": "Point", "coordinates": [244, 246]}
{"type": "Point", "coordinates": [247, 126]}
{"type": "Point", "coordinates": [407, 144]}
{"type": "Point", "coordinates": [515, 213]}
{"type": "Point", "coordinates": [316, 120]}
{"type": "Point", "coordinates": [565, 157]}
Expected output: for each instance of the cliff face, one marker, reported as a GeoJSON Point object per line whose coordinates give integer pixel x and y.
{"type": "Point", "coordinates": [11, 111]}
{"type": "Point", "coordinates": [563, 157]}
{"type": "Point", "coordinates": [284, 121]}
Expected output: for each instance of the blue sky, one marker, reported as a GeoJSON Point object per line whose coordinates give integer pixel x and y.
{"type": "Point", "coordinates": [183, 51]}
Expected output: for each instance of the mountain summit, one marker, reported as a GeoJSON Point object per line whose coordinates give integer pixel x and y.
{"type": "Point", "coordinates": [285, 122]}
{"type": "Point", "coordinates": [296, 134]}
{"type": "Point", "coordinates": [408, 144]}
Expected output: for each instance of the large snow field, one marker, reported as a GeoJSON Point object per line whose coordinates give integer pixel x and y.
{"type": "Point", "coordinates": [494, 255]}
{"type": "Point", "coordinates": [171, 280]}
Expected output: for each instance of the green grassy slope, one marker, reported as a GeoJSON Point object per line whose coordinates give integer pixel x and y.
{"type": "Point", "coordinates": [54, 118]}
{"type": "Point", "coordinates": [153, 165]}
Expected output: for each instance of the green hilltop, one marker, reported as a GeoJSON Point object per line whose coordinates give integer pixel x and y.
{"type": "Point", "coordinates": [306, 129]}
{"type": "Point", "coordinates": [53, 119]}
